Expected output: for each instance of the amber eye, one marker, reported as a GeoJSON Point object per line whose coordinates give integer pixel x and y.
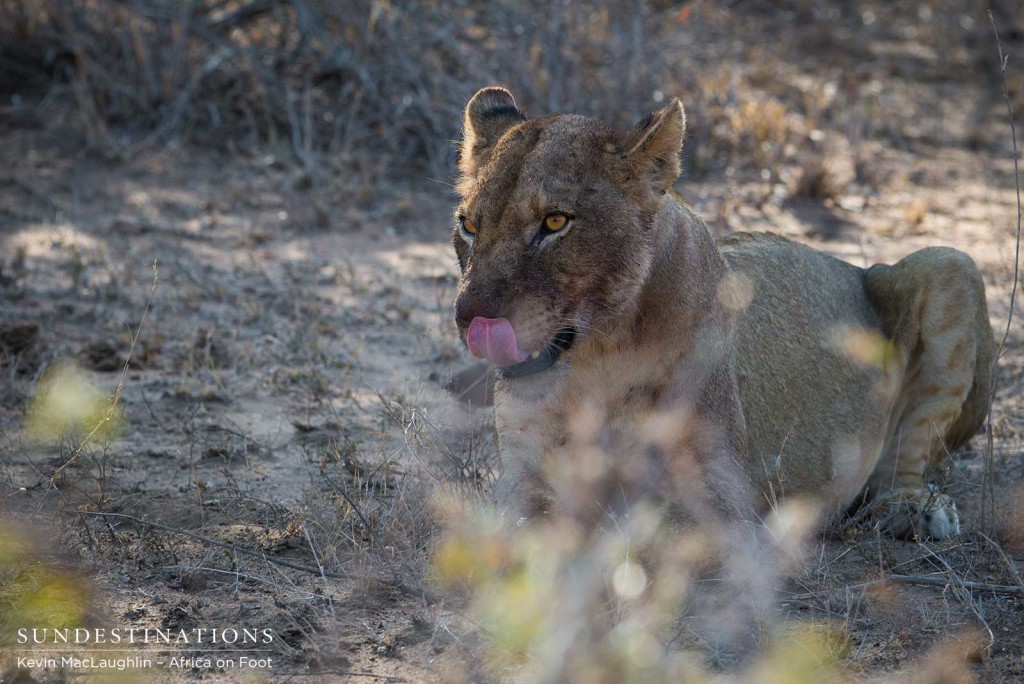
{"type": "Point", "coordinates": [468, 226]}
{"type": "Point", "coordinates": [555, 222]}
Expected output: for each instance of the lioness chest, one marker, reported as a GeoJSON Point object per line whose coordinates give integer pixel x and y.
{"type": "Point", "coordinates": [609, 396]}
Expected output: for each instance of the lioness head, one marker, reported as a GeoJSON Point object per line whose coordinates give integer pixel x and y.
{"type": "Point", "coordinates": [555, 230]}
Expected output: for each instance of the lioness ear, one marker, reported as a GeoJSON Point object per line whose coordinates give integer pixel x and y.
{"type": "Point", "coordinates": [653, 146]}
{"type": "Point", "coordinates": [490, 113]}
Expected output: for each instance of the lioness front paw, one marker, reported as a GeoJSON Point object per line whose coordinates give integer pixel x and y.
{"type": "Point", "coordinates": [924, 514]}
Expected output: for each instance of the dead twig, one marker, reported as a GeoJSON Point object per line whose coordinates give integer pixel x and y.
{"type": "Point", "coordinates": [348, 499]}
{"type": "Point", "coordinates": [396, 582]}
{"type": "Point", "coordinates": [348, 673]}
{"type": "Point", "coordinates": [119, 390]}
{"type": "Point", "coordinates": [320, 566]}
{"type": "Point", "coordinates": [1003, 59]}
{"type": "Point", "coordinates": [243, 15]}
{"type": "Point", "coordinates": [962, 592]}
{"type": "Point", "coordinates": [988, 492]}
{"type": "Point", "coordinates": [1007, 563]}
{"type": "Point", "coordinates": [184, 569]}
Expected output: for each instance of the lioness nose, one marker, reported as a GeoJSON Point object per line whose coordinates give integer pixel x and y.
{"type": "Point", "coordinates": [465, 312]}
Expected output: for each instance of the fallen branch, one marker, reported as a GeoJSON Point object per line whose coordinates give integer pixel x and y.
{"type": "Point", "coordinates": [923, 580]}
{"type": "Point", "coordinates": [945, 582]}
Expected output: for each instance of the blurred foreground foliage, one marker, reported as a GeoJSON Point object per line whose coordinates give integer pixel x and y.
{"type": "Point", "coordinates": [628, 602]}
{"type": "Point", "coordinates": [68, 406]}
{"type": "Point", "coordinates": [33, 593]}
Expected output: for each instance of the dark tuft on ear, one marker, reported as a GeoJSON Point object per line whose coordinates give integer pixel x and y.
{"type": "Point", "coordinates": [489, 114]}
{"type": "Point", "coordinates": [654, 144]}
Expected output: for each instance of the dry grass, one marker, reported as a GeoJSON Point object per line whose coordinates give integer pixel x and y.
{"type": "Point", "coordinates": [307, 78]}
{"type": "Point", "coordinates": [321, 85]}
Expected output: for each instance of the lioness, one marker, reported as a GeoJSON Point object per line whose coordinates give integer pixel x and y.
{"type": "Point", "coordinates": [717, 376]}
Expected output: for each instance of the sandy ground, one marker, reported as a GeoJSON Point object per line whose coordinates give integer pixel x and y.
{"type": "Point", "coordinates": [298, 333]}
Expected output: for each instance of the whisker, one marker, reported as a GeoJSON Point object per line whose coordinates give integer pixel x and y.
{"type": "Point", "coordinates": [584, 326]}
{"type": "Point", "coordinates": [442, 182]}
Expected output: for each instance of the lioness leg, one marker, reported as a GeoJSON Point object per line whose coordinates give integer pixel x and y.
{"type": "Point", "coordinates": [933, 306]}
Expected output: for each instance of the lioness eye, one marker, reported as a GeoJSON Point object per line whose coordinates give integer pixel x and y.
{"type": "Point", "coordinates": [468, 226]}
{"type": "Point", "coordinates": [555, 222]}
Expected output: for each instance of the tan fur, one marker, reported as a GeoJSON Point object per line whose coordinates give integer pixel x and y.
{"type": "Point", "coordinates": [714, 378]}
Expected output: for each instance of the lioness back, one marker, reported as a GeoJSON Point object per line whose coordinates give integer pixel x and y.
{"type": "Point", "coordinates": [810, 365]}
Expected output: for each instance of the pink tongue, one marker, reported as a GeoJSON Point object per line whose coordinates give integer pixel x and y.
{"type": "Point", "coordinates": [495, 340]}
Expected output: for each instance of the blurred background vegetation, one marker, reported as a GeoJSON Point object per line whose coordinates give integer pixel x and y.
{"type": "Point", "coordinates": [378, 86]}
